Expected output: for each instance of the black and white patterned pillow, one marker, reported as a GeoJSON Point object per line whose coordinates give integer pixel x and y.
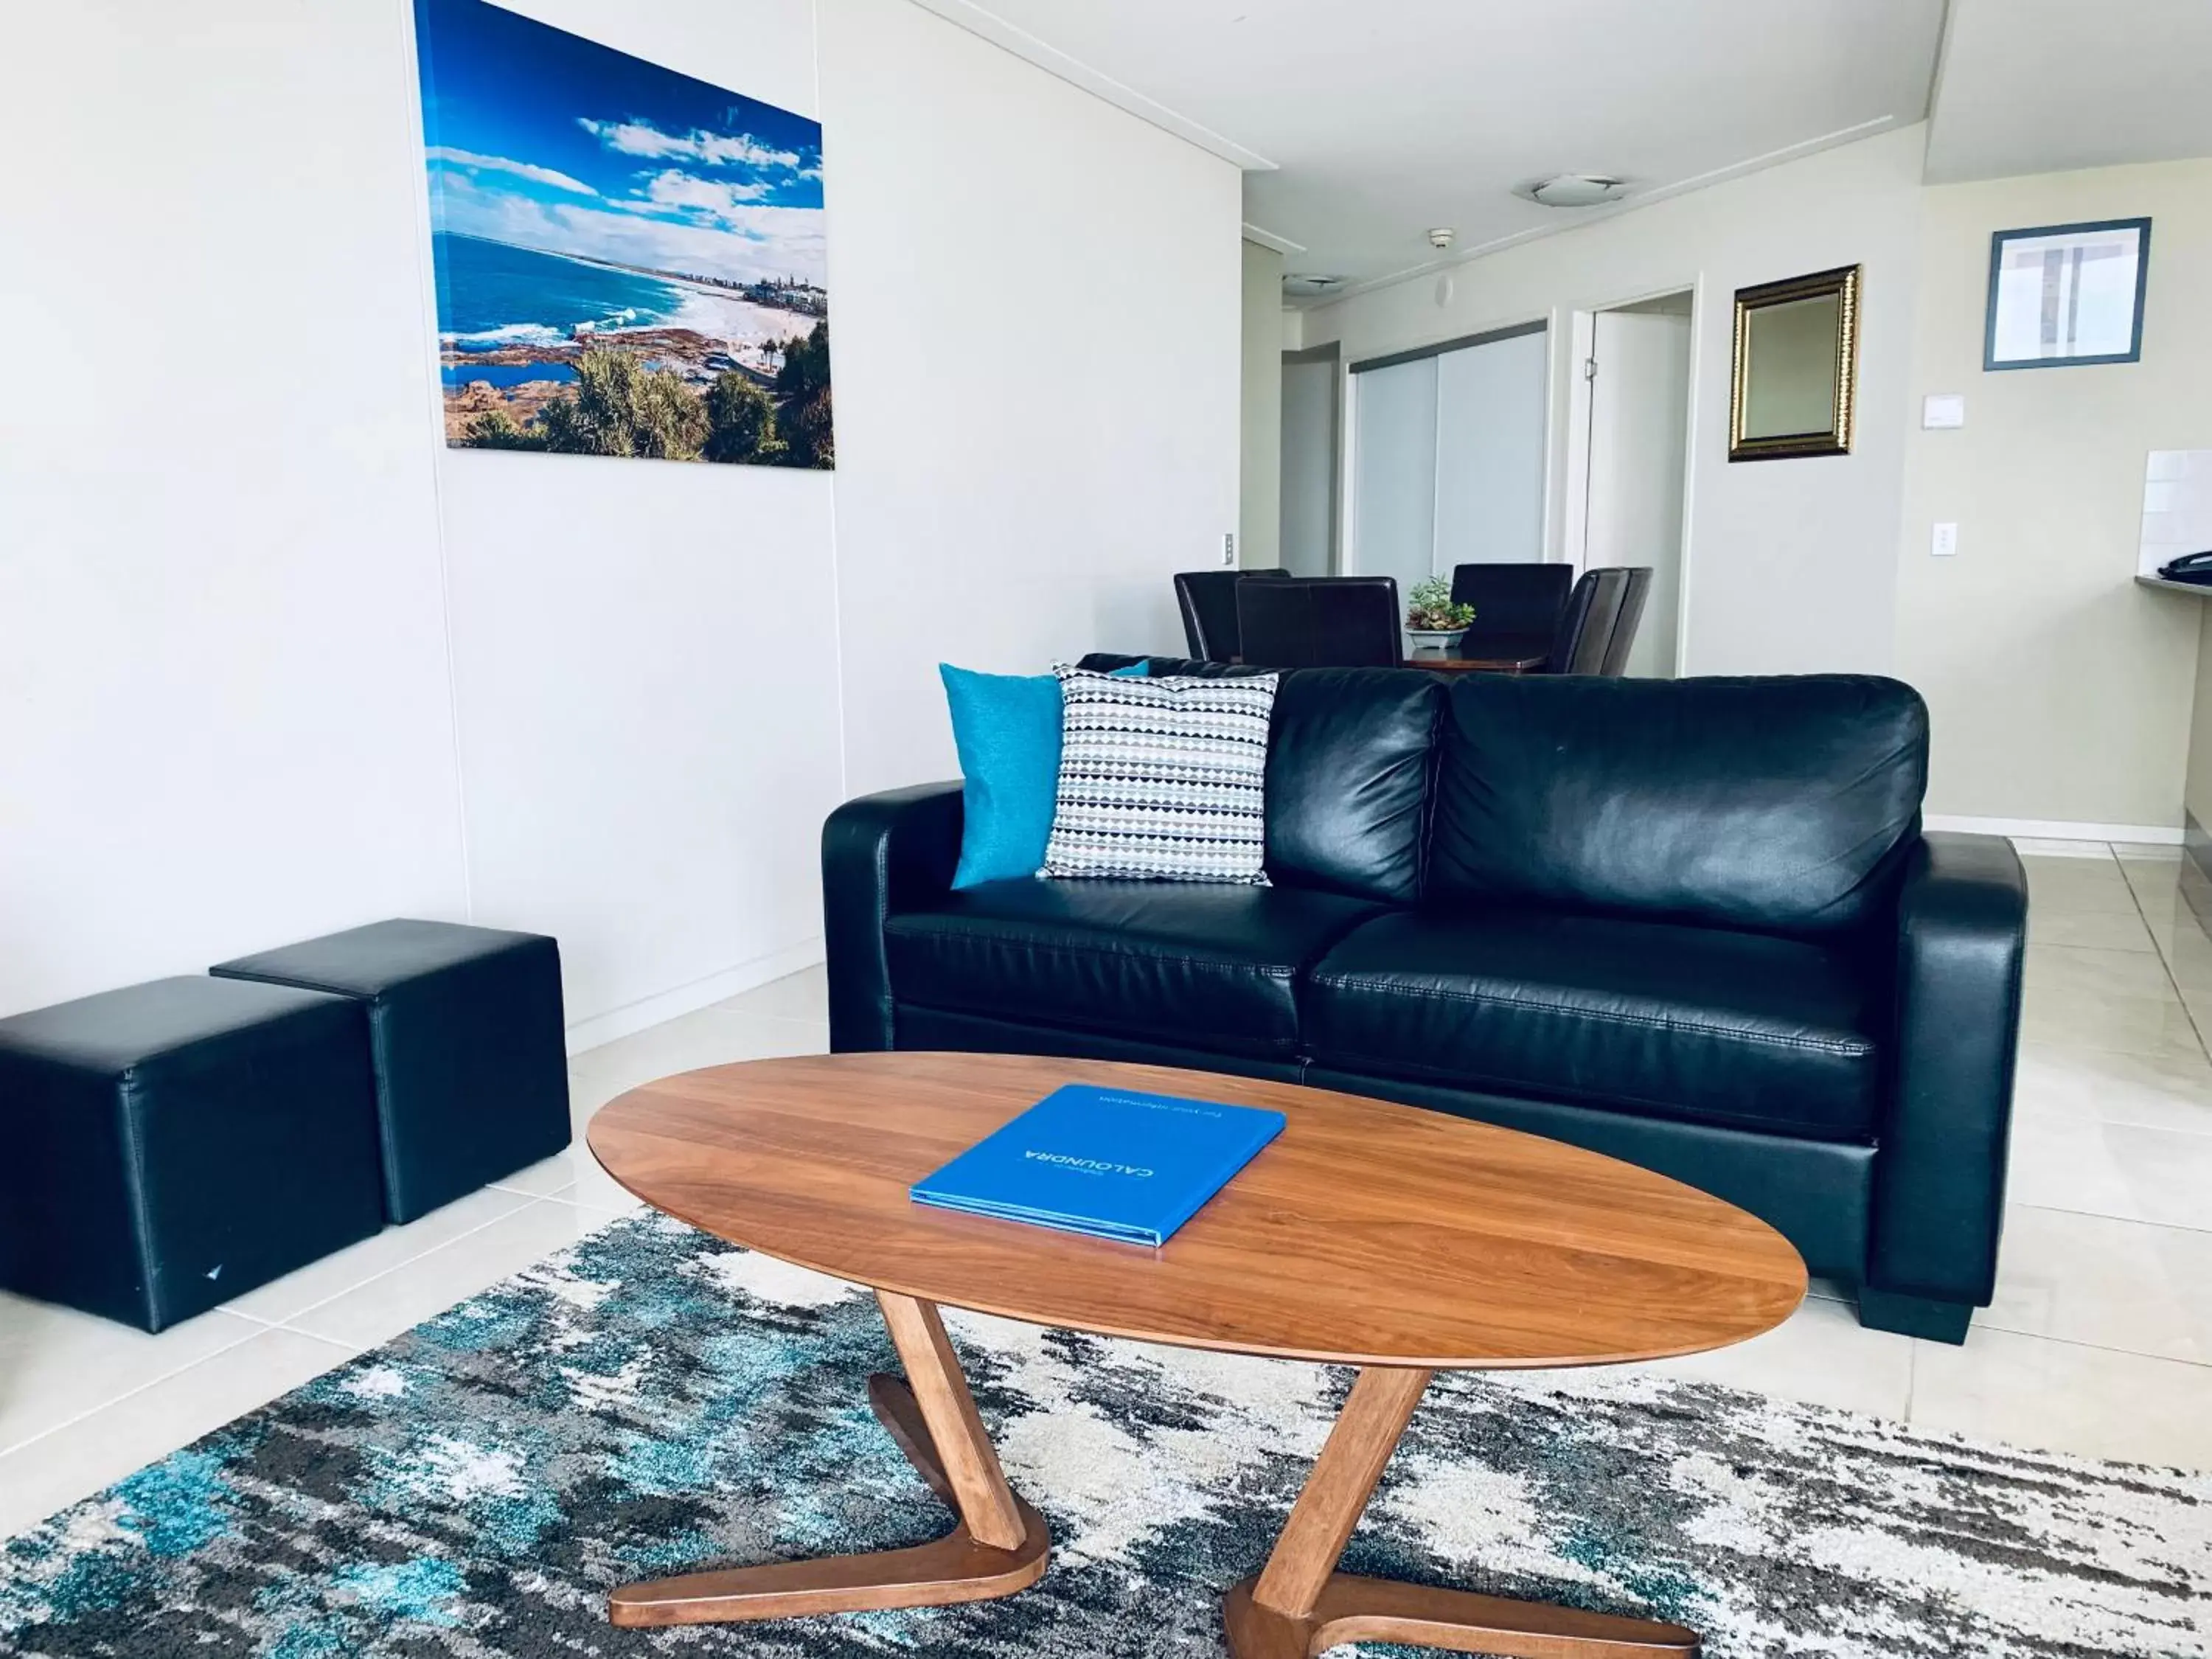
{"type": "Point", "coordinates": [1162, 779]}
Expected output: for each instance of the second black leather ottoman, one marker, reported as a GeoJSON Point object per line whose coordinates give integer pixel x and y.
{"type": "Point", "coordinates": [466, 1029]}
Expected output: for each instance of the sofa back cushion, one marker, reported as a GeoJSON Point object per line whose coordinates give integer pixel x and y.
{"type": "Point", "coordinates": [1350, 770]}
{"type": "Point", "coordinates": [1783, 804]}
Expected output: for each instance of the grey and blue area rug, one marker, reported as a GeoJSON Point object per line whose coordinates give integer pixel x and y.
{"type": "Point", "coordinates": [651, 1401]}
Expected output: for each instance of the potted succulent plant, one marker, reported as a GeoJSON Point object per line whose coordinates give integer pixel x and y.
{"type": "Point", "coordinates": [1433, 623]}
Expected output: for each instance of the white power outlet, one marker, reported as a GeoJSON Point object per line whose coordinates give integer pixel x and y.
{"type": "Point", "coordinates": [1229, 548]}
{"type": "Point", "coordinates": [1944, 543]}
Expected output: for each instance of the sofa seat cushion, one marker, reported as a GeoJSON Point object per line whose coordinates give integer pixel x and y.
{"type": "Point", "coordinates": [1701, 1024]}
{"type": "Point", "coordinates": [1208, 965]}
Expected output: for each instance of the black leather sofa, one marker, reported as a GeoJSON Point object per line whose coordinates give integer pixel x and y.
{"type": "Point", "coordinates": [1694, 924]}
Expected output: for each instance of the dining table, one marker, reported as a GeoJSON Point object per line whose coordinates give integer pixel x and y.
{"type": "Point", "coordinates": [1497, 654]}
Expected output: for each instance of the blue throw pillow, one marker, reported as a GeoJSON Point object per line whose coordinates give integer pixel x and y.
{"type": "Point", "coordinates": [1007, 727]}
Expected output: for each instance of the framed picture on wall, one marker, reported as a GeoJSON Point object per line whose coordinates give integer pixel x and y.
{"type": "Point", "coordinates": [2067, 294]}
{"type": "Point", "coordinates": [630, 262]}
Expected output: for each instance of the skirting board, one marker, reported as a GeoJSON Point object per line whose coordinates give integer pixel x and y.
{"type": "Point", "coordinates": [2143, 835]}
{"type": "Point", "coordinates": [687, 999]}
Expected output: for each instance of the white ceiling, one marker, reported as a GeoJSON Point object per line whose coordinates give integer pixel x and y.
{"type": "Point", "coordinates": [2044, 85]}
{"type": "Point", "coordinates": [1366, 122]}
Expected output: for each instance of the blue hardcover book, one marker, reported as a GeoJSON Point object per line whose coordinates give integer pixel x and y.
{"type": "Point", "coordinates": [1110, 1162]}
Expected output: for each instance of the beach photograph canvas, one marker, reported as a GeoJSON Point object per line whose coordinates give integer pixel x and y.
{"type": "Point", "coordinates": [630, 262]}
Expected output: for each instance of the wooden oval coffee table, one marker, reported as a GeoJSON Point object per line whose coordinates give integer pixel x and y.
{"type": "Point", "coordinates": [1399, 1241]}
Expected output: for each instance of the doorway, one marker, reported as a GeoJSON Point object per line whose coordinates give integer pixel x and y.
{"type": "Point", "coordinates": [1311, 445]}
{"type": "Point", "coordinates": [1628, 468]}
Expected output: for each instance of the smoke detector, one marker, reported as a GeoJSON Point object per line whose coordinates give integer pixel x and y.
{"type": "Point", "coordinates": [1572, 190]}
{"type": "Point", "coordinates": [1443, 237]}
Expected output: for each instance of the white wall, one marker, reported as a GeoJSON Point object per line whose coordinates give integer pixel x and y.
{"type": "Point", "coordinates": [1309, 467]}
{"type": "Point", "coordinates": [1791, 564]}
{"type": "Point", "coordinates": [1017, 479]}
{"type": "Point", "coordinates": [223, 713]}
{"type": "Point", "coordinates": [234, 557]}
{"type": "Point", "coordinates": [2060, 691]}
{"type": "Point", "coordinates": [1259, 492]}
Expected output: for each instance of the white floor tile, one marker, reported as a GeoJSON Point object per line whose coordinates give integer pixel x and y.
{"type": "Point", "coordinates": [2151, 877]}
{"type": "Point", "coordinates": [377, 1311]}
{"type": "Point", "coordinates": [2060, 883]}
{"type": "Point", "coordinates": [712, 1036]}
{"type": "Point", "coordinates": [2119, 1169]}
{"type": "Point", "coordinates": [2172, 900]}
{"type": "Point", "coordinates": [2124, 1285]}
{"type": "Point", "coordinates": [803, 995]}
{"type": "Point", "coordinates": [2152, 882]}
{"type": "Point", "coordinates": [2157, 890]}
{"type": "Point", "coordinates": [2096, 930]}
{"type": "Point", "coordinates": [2057, 1396]}
{"type": "Point", "coordinates": [78, 1459]}
{"type": "Point", "coordinates": [319, 1281]}
{"type": "Point", "coordinates": [2040, 847]}
{"type": "Point", "coordinates": [2198, 1006]}
{"type": "Point", "coordinates": [2187, 955]}
{"type": "Point", "coordinates": [2082, 1016]}
{"type": "Point", "coordinates": [587, 1092]}
{"type": "Point", "coordinates": [2069, 970]}
{"type": "Point", "coordinates": [2069, 1086]}
{"type": "Point", "coordinates": [1821, 1354]}
{"type": "Point", "coordinates": [56, 1363]}
{"type": "Point", "coordinates": [2129, 852]}
{"type": "Point", "coordinates": [574, 1175]}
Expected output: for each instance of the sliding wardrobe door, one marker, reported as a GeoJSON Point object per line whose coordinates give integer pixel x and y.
{"type": "Point", "coordinates": [1394, 497]}
{"type": "Point", "coordinates": [1448, 457]}
{"type": "Point", "coordinates": [1490, 453]}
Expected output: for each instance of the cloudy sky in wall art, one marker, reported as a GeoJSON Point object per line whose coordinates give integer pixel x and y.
{"type": "Point", "coordinates": [630, 262]}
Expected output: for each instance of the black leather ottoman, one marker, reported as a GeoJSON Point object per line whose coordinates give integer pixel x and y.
{"type": "Point", "coordinates": [466, 1033]}
{"type": "Point", "coordinates": [172, 1145]}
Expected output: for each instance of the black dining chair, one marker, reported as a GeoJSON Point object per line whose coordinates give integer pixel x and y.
{"type": "Point", "coordinates": [1321, 621]}
{"type": "Point", "coordinates": [1631, 613]}
{"type": "Point", "coordinates": [1512, 603]}
{"type": "Point", "coordinates": [1586, 626]}
{"type": "Point", "coordinates": [1207, 599]}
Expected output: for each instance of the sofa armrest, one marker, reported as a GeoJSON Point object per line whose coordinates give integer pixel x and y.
{"type": "Point", "coordinates": [1940, 1169]}
{"type": "Point", "coordinates": [879, 854]}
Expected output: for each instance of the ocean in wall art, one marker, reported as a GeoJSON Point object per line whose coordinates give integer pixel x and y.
{"type": "Point", "coordinates": [629, 262]}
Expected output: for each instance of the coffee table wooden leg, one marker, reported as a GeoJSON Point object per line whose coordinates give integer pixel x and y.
{"type": "Point", "coordinates": [999, 1547]}
{"type": "Point", "coordinates": [1300, 1604]}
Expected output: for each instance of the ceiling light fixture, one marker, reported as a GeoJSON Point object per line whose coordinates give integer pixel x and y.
{"type": "Point", "coordinates": [1572, 190]}
{"type": "Point", "coordinates": [1308, 287]}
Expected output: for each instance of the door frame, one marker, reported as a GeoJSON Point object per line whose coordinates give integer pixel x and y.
{"type": "Point", "coordinates": [1574, 539]}
{"type": "Point", "coordinates": [1331, 353]}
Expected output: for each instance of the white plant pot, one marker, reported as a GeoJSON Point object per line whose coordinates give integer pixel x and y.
{"type": "Point", "coordinates": [1442, 639]}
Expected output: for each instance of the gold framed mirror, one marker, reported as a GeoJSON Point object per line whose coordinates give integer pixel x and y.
{"type": "Point", "coordinates": [1796, 366]}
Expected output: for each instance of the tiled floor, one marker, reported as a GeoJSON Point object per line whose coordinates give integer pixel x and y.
{"type": "Point", "coordinates": [2099, 1341]}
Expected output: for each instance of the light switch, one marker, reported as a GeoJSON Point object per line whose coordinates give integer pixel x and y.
{"type": "Point", "coordinates": [1941, 410]}
{"type": "Point", "coordinates": [1945, 543]}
